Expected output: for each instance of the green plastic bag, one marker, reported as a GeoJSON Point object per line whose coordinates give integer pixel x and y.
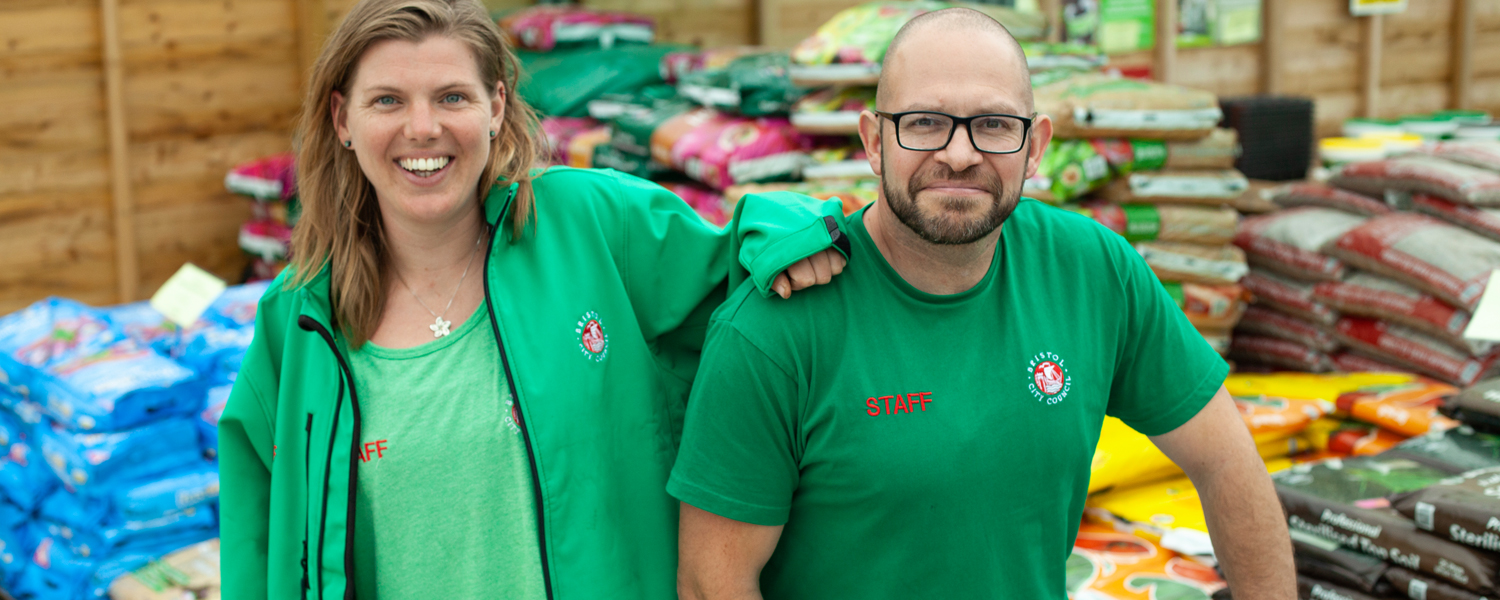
{"type": "Point", "coordinates": [1069, 169]}
{"type": "Point", "coordinates": [561, 83]}
{"type": "Point", "coordinates": [753, 86]}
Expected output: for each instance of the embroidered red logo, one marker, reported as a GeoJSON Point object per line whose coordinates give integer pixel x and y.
{"type": "Point", "coordinates": [1049, 378]}
{"type": "Point", "coordinates": [593, 337]}
{"type": "Point", "coordinates": [593, 340]}
{"type": "Point", "coordinates": [372, 450]}
{"type": "Point", "coordinates": [890, 405]}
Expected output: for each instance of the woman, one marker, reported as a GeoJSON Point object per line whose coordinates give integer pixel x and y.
{"type": "Point", "coordinates": [468, 389]}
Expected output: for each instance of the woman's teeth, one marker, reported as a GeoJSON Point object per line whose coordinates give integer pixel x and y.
{"type": "Point", "coordinates": [424, 166]}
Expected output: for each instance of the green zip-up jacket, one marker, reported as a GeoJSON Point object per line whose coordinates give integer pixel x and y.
{"type": "Point", "coordinates": [601, 419]}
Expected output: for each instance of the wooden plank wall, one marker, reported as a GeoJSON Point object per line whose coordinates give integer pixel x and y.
{"type": "Point", "coordinates": [209, 83]}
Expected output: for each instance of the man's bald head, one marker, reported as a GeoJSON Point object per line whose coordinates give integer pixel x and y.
{"type": "Point", "coordinates": [947, 23]}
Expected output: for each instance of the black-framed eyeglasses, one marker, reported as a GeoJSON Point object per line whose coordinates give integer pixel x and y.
{"type": "Point", "coordinates": [926, 131]}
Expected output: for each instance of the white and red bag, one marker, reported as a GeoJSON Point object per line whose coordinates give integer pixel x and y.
{"type": "Point", "coordinates": [1368, 295]}
{"type": "Point", "coordinates": [1288, 295]}
{"type": "Point", "coordinates": [1422, 174]}
{"type": "Point", "coordinates": [1262, 321]}
{"type": "Point", "coordinates": [1414, 350]}
{"type": "Point", "coordinates": [1483, 221]}
{"type": "Point", "coordinates": [1293, 195]}
{"type": "Point", "coordinates": [1353, 362]}
{"type": "Point", "coordinates": [1451, 263]}
{"type": "Point", "coordinates": [1257, 349]}
{"type": "Point", "coordinates": [1481, 154]}
{"type": "Point", "coordinates": [1289, 241]}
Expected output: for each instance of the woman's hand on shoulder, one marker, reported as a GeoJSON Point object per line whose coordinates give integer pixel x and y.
{"type": "Point", "coordinates": [817, 269]}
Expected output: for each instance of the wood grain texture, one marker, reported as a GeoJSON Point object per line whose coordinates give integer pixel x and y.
{"type": "Point", "coordinates": [127, 258]}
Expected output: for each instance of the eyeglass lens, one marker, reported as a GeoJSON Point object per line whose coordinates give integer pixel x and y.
{"type": "Point", "coordinates": [931, 131]}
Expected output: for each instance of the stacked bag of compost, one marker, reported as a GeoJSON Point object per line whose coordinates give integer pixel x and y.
{"type": "Point", "coordinates": [1380, 268]}
{"type": "Point", "coordinates": [108, 425]}
{"type": "Point", "coordinates": [1148, 161]}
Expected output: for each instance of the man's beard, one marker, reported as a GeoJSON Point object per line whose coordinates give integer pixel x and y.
{"type": "Point", "coordinates": [932, 226]}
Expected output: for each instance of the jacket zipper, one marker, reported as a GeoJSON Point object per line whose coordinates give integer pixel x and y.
{"type": "Point", "coordinates": [346, 376]}
{"type": "Point", "coordinates": [510, 380]}
{"type": "Point", "coordinates": [306, 472]}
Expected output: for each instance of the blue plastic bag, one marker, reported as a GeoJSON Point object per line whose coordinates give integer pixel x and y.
{"type": "Point", "coordinates": [208, 419]}
{"type": "Point", "coordinates": [52, 571]}
{"type": "Point", "coordinates": [92, 541]}
{"type": "Point", "coordinates": [215, 352]}
{"type": "Point", "coordinates": [13, 549]}
{"type": "Point", "coordinates": [87, 374]}
{"type": "Point", "coordinates": [133, 507]}
{"type": "Point", "coordinates": [84, 460]}
{"type": "Point", "coordinates": [24, 479]}
{"type": "Point", "coordinates": [145, 325]}
{"type": "Point", "coordinates": [129, 560]}
{"type": "Point", "coordinates": [236, 307]}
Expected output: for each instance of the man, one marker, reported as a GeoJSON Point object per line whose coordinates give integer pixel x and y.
{"type": "Point", "coordinates": [923, 426]}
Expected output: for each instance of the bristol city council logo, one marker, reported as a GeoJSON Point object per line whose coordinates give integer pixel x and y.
{"type": "Point", "coordinates": [1049, 378]}
{"type": "Point", "coordinates": [592, 340]}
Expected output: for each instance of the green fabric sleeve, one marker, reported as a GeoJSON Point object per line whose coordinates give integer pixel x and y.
{"type": "Point", "coordinates": [674, 261]}
{"type": "Point", "coordinates": [738, 457]}
{"type": "Point", "coordinates": [1166, 371]}
{"type": "Point", "coordinates": [775, 230]}
{"type": "Point", "coordinates": [245, 455]}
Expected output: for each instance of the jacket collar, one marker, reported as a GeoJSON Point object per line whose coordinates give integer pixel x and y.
{"type": "Point", "coordinates": [499, 201]}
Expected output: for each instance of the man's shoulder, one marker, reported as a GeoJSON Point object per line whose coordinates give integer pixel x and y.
{"type": "Point", "coordinates": [1045, 229]}
{"type": "Point", "coordinates": [781, 323]}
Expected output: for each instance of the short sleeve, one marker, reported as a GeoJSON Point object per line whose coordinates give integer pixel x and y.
{"type": "Point", "coordinates": [738, 457]}
{"type": "Point", "coordinates": [1166, 371]}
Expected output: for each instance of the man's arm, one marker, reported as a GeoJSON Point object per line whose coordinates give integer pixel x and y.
{"type": "Point", "coordinates": [721, 558]}
{"type": "Point", "coordinates": [1244, 516]}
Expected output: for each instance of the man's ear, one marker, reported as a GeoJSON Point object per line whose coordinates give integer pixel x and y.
{"type": "Point", "coordinates": [1041, 136]}
{"type": "Point", "coordinates": [869, 135]}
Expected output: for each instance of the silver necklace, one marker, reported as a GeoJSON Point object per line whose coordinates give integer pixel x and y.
{"type": "Point", "coordinates": [439, 326]}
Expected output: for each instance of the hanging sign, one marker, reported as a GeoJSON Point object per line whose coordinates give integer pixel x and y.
{"type": "Point", "coordinates": [1360, 8]}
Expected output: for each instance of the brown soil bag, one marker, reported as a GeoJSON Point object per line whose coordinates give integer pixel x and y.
{"type": "Point", "coordinates": [1270, 323]}
{"type": "Point", "coordinates": [1448, 262]}
{"type": "Point", "coordinates": [1414, 585]}
{"type": "Point", "coordinates": [1483, 221]}
{"type": "Point", "coordinates": [1287, 295]}
{"type": "Point", "coordinates": [1314, 589]}
{"type": "Point", "coordinates": [1095, 106]}
{"type": "Point", "coordinates": [1368, 295]}
{"type": "Point", "coordinates": [1422, 174]}
{"type": "Point", "coordinates": [1464, 509]}
{"type": "Point", "coordinates": [1325, 499]}
{"type": "Point", "coordinates": [1289, 242]}
{"type": "Point", "coordinates": [1204, 225]}
{"type": "Point", "coordinates": [1321, 194]}
{"type": "Point", "coordinates": [1414, 350]}
{"type": "Point", "coordinates": [1175, 186]}
{"type": "Point", "coordinates": [1259, 349]}
{"type": "Point", "coordinates": [1325, 560]}
{"type": "Point", "coordinates": [1191, 263]}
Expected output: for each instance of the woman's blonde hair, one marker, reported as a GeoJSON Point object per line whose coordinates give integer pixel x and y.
{"type": "Point", "coordinates": [340, 225]}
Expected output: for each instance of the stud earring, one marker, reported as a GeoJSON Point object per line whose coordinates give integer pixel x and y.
{"type": "Point", "coordinates": [348, 143]}
{"type": "Point", "coordinates": [492, 133]}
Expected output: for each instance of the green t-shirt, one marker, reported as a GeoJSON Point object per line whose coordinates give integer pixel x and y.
{"type": "Point", "coordinates": [445, 506]}
{"type": "Point", "coordinates": [922, 446]}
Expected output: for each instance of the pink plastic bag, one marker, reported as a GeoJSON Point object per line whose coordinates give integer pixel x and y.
{"type": "Point", "coordinates": [723, 150]}
{"type": "Point", "coordinates": [544, 27]}
{"type": "Point", "coordinates": [1422, 174]}
{"type": "Point", "coordinates": [1327, 196]}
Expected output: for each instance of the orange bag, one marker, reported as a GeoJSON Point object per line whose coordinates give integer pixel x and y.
{"type": "Point", "coordinates": [1409, 409]}
{"type": "Point", "coordinates": [1115, 565]}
